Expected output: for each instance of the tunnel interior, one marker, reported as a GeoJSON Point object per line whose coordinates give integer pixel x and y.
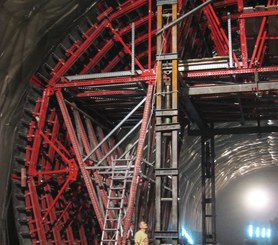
{"type": "Point", "coordinates": [68, 67]}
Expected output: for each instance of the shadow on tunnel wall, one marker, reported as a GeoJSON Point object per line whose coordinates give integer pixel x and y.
{"type": "Point", "coordinates": [28, 31]}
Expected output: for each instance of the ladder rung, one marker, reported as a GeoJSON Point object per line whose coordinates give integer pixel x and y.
{"type": "Point", "coordinates": [105, 172]}
{"type": "Point", "coordinates": [115, 172]}
{"type": "Point", "coordinates": [117, 188]}
{"type": "Point", "coordinates": [116, 198]}
{"type": "Point", "coordinates": [110, 229]}
{"type": "Point", "coordinates": [166, 199]}
{"type": "Point", "coordinates": [122, 171]}
{"type": "Point", "coordinates": [111, 220]}
{"type": "Point", "coordinates": [209, 215]}
{"type": "Point", "coordinates": [122, 177]}
{"type": "Point", "coordinates": [113, 208]}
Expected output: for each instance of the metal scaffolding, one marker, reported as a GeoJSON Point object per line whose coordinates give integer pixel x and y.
{"type": "Point", "coordinates": [94, 107]}
{"type": "Point", "coordinates": [167, 129]}
{"type": "Point", "coordinates": [208, 192]}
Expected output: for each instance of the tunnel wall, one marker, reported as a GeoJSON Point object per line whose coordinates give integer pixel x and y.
{"type": "Point", "coordinates": [28, 31]}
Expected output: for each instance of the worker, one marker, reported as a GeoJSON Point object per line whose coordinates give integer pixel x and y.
{"type": "Point", "coordinates": [141, 237]}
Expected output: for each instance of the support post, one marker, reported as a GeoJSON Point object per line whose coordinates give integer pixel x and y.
{"type": "Point", "coordinates": [167, 129]}
{"type": "Point", "coordinates": [208, 192]}
{"type": "Point", "coordinates": [133, 48]}
{"type": "Point", "coordinates": [242, 33]}
{"type": "Point", "coordinates": [230, 40]}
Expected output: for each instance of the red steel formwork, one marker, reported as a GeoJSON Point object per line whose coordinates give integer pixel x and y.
{"type": "Point", "coordinates": [92, 108]}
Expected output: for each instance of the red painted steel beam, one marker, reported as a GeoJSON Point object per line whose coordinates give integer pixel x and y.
{"type": "Point", "coordinates": [263, 54]}
{"type": "Point", "coordinates": [214, 26]}
{"type": "Point", "coordinates": [260, 49]}
{"type": "Point", "coordinates": [124, 9]}
{"type": "Point", "coordinates": [60, 153]}
{"type": "Point", "coordinates": [127, 7]}
{"type": "Point", "coordinates": [117, 58]}
{"type": "Point", "coordinates": [52, 215]}
{"type": "Point", "coordinates": [72, 170]}
{"type": "Point", "coordinates": [109, 45]}
{"type": "Point", "coordinates": [36, 209]}
{"type": "Point", "coordinates": [85, 174]}
{"type": "Point", "coordinates": [63, 66]}
{"type": "Point", "coordinates": [145, 53]}
{"type": "Point", "coordinates": [42, 111]}
{"type": "Point", "coordinates": [117, 80]}
{"type": "Point", "coordinates": [98, 178]}
{"type": "Point", "coordinates": [54, 135]}
{"type": "Point", "coordinates": [105, 13]}
{"type": "Point", "coordinates": [224, 3]}
{"type": "Point", "coordinates": [69, 233]}
{"type": "Point", "coordinates": [126, 48]}
{"type": "Point", "coordinates": [113, 62]}
{"type": "Point", "coordinates": [49, 209]}
{"type": "Point", "coordinates": [259, 41]}
{"type": "Point", "coordinates": [59, 219]}
{"type": "Point", "coordinates": [94, 142]}
{"type": "Point", "coordinates": [106, 93]}
{"type": "Point", "coordinates": [143, 38]}
{"type": "Point", "coordinates": [255, 14]}
{"type": "Point", "coordinates": [97, 58]}
{"type": "Point", "coordinates": [242, 35]}
{"type": "Point", "coordinates": [93, 139]}
{"type": "Point", "coordinates": [48, 159]}
{"type": "Point", "coordinates": [137, 23]}
{"type": "Point", "coordinates": [138, 159]}
{"type": "Point", "coordinates": [36, 82]}
{"type": "Point", "coordinates": [266, 38]}
{"type": "Point", "coordinates": [81, 230]}
{"type": "Point", "coordinates": [219, 36]}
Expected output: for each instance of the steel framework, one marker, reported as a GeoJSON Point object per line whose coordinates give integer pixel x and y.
{"type": "Point", "coordinates": [91, 109]}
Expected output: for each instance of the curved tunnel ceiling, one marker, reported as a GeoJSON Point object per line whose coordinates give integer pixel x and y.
{"type": "Point", "coordinates": [31, 32]}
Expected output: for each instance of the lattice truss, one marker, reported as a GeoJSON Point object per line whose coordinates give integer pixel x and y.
{"type": "Point", "coordinates": [84, 161]}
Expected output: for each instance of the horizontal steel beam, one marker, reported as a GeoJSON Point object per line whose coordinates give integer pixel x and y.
{"type": "Point", "coordinates": [234, 88]}
{"type": "Point", "coordinates": [106, 81]}
{"type": "Point", "coordinates": [108, 93]}
{"type": "Point", "coordinates": [226, 72]}
{"type": "Point", "coordinates": [258, 14]}
{"type": "Point", "coordinates": [101, 75]}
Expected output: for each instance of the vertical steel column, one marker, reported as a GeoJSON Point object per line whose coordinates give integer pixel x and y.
{"type": "Point", "coordinates": [230, 40]}
{"type": "Point", "coordinates": [242, 33]}
{"type": "Point", "coordinates": [167, 128]}
{"type": "Point", "coordinates": [132, 48]}
{"type": "Point", "coordinates": [208, 192]}
{"type": "Point", "coordinates": [174, 92]}
{"type": "Point", "coordinates": [150, 34]}
{"type": "Point", "coordinates": [158, 121]}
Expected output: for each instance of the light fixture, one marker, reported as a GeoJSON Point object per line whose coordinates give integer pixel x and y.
{"type": "Point", "coordinates": [257, 199]}
{"type": "Point", "coordinates": [187, 236]}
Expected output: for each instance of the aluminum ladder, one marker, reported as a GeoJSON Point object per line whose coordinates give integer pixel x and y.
{"type": "Point", "coordinates": [121, 175]}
